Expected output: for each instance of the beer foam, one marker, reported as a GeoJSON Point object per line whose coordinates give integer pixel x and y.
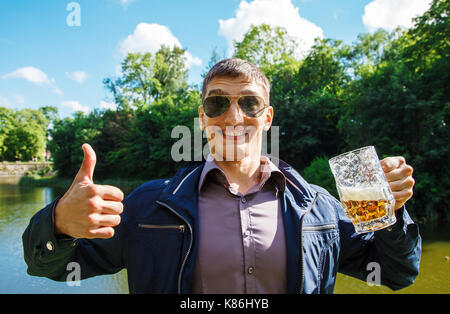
{"type": "Point", "coordinates": [373, 193]}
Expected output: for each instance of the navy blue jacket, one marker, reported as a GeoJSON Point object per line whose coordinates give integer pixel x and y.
{"type": "Point", "coordinates": [157, 240]}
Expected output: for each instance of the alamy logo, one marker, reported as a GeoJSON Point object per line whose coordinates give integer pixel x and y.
{"type": "Point", "coordinates": [74, 276]}
{"type": "Point", "coordinates": [374, 277]}
{"type": "Point", "coordinates": [74, 17]}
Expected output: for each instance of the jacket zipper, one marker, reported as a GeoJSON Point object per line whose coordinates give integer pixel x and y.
{"type": "Point", "coordinates": [301, 241]}
{"type": "Point", "coordinates": [319, 228]}
{"type": "Point", "coordinates": [190, 244]}
{"type": "Point", "coordinates": [147, 226]}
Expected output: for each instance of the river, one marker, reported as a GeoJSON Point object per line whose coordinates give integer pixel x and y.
{"type": "Point", "coordinates": [18, 204]}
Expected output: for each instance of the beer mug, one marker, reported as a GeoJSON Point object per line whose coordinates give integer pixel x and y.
{"type": "Point", "coordinates": [364, 192]}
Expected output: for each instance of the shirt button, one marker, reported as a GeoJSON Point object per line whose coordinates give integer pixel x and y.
{"type": "Point", "coordinates": [243, 200]}
{"type": "Point", "coordinates": [246, 233]}
{"type": "Point", "coordinates": [49, 245]}
{"type": "Point", "coordinates": [250, 270]}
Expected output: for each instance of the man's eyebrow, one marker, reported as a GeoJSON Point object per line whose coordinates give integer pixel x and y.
{"type": "Point", "coordinates": [216, 92]}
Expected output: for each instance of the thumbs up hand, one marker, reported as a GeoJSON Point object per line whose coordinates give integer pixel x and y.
{"type": "Point", "coordinates": [88, 210]}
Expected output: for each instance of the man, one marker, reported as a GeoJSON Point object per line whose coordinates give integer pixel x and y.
{"type": "Point", "coordinates": [237, 223]}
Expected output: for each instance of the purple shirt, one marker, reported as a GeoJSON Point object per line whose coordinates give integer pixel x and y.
{"type": "Point", "coordinates": [242, 247]}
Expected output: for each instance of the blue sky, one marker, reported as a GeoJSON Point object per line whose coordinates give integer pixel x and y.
{"type": "Point", "coordinates": [44, 61]}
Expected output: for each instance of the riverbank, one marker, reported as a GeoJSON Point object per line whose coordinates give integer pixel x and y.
{"type": "Point", "coordinates": [20, 168]}
{"type": "Point", "coordinates": [127, 185]}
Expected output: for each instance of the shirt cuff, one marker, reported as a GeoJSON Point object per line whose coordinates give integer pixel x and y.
{"type": "Point", "coordinates": [57, 240]}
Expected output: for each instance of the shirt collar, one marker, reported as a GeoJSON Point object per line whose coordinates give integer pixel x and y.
{"type": "Point", "coordinates": [268, 168]}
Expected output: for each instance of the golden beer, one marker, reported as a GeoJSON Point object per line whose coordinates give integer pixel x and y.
{"type": "Point", "coordinates": [364, 211]}
{"type": "Point", "coordinates": [368, 208]}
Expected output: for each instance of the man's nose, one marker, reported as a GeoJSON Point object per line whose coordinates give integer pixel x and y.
{"type": "Point", "coordinates": [234, 114]}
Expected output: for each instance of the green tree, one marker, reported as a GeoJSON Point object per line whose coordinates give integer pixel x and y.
{"type": "Point", "coordinates": [114, 142]}
{"type": "Point", "coordinates": [68, 135]}
{"type": "Point", "coordinates": [147, 77]}
{"type": "Point", "coordinates": [362, 56]}
{"type": "Point", "coordinates": [319, 173]}
{"type": "Point", "coordinates": [266, 46]}
{"type": "Point", "coordinates": [23, 134]}
{"type": "Point", "coordinates": [152, 129]}
{"type": "Point", "coordinates": [25, 142]}
{"type": "Point", "coordinates": [7, 123]}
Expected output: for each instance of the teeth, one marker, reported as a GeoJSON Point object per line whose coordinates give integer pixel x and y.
{"type": "Point", "coordinates": [227, 133]}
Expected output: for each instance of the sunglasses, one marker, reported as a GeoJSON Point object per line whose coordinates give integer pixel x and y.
{"type": "Point", "coordinates": [252, 106]}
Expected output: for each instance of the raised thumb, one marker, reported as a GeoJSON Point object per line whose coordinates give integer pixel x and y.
{"type": "Point", "coordinates": [86, 171]}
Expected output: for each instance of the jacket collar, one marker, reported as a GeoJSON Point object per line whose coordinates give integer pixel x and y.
{"type": "Point", "coordinates": [182, 190]}
{"type": "Point", "coordinates": [268, 168]}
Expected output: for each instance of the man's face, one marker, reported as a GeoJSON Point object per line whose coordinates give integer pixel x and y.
{"type": "Point", "coordinates": [233, 136]}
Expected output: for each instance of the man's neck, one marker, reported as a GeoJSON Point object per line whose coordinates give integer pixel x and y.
{"type": "Point", "coordinates": [242, 174]}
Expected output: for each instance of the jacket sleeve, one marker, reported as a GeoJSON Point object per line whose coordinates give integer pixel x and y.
{"type": "Point", "coordinates": [49, 255]}
{"type": "Point", "coordinates": [393, 252]}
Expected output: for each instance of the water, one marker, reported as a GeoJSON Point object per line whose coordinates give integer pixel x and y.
{"type": "Point", "coordinates": [18, 204]}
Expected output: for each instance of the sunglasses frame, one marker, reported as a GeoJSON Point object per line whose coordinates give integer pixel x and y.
{"type": "Point", "coordinates": [230, 97]}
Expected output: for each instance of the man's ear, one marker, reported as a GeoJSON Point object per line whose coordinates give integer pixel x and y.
{"type": "Point", "coordinates": [269, 118]}
{"type": "Point", "coordinates": [201, 118]}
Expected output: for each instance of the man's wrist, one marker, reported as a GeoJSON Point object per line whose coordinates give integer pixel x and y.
{"type": "Point", "coordinates": [57, 230]}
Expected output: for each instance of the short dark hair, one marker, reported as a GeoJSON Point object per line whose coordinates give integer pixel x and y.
{"type": "Point", "coordinates": [235, 67]}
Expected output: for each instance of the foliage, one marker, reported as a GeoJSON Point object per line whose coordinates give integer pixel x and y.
{"type": "Point", "coordinates": [23, 133]}
{"type": "Point", "coordinates": [67, 137]}
{"type": "Point", "coordinates": [265, 46]}
{"type": "Point", "coordinates": [319, 173]}
{"type": "Point", "coordinates": [147, 77]}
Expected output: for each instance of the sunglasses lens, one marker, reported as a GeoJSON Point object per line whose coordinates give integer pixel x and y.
{"type": "Point", "coordinates": [215, 106]}
{"type": "Point", "coordinates": [251, 105]}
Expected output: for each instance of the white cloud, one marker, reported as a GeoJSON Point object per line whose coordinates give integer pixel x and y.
{"type": "Point", "coordinates": [149, 38]}
{"type": "Point", "coordinates": [389, 14]}
{"type": "Point", "coordinates": [35, 76]}
{"type": "Point", "coordinates": [107, 105]}
{"type": "Point", "coordinates": [273, 12]}
{"type": "Point", "coordinates": [76, 106]}
{"type": "Point", "coordinates": [77, 76]}
{"type": "Point", "coordinates": [31, 74]}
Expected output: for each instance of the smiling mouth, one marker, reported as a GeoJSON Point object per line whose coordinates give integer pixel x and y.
{"type": "Point", "coordinates": [237, 134]}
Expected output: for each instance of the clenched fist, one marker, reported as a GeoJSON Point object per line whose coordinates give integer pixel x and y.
{"type": "Point", "coordinates": [88, 210]}
{"type": "Point", "coordinates": [399, 177]}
